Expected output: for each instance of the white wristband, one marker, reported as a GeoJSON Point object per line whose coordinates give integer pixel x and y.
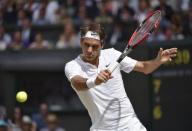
{"type": "Point", "coordinates": [90, 82]}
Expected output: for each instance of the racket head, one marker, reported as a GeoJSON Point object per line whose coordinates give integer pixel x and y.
{"type": "Point", "coordinates": [147, 27]}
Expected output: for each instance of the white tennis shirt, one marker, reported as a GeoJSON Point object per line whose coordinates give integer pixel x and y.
{"type": "Point", "coordinates": [107, 104]}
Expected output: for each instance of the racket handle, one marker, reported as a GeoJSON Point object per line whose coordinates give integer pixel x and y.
{"type": "Point", "coordinates": [113, 66]}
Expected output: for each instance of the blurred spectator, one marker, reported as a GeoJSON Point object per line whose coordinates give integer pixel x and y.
{"type": "Point", "coordinates": [32, 5]}
{"type": "Point", "coordinates": [52, 124]}
{"type": "Point", "coordinates": [64, 16]}
{"type": "Point", "coordinates": [51, 11]}
{"type": "Point", "coordinates": [167, 10]}
{"type": "Point", "coordinates": [125, 15]}
{"type": "Point", "coordinates": [19, 4]}
{"type": "Point", "coordinates": [40, 117]}
{"type": "Point", "coordinates": [187, 23]}
{"type": "Point", "coordinates": [41, 18]}
{"type": "Point", "coordinates": [3, 112]}
{"type": "Point", "coordinates": [184, 5]}
{"type": "Point", "coordinates": [27, 124]}
{"type": "Point", "coordinates": [1, 18]}
{"type": "Point", "coordinates": [143, 10]}
{"type": "Point", "coordinates": [17, 43]}
{"type": "Point", "coordinates": [104, 18]}
{"type": "Point", "coordinates": [115, 35]}
{"type": "Point", "coordinates": [157, 36]}
{"type": "Point", "coordinates": [27, 32]}
{"type": "Point", "coordinates": [81, 18]}
{"type": "Point", "coordinates": [68, 38]}
{"type": "Point", "coordinates": [56, 12]}
{"type": "Point", "coordinates": [116, 5]}
{"type": "Point", "coordinates": [70, 6]}
{"type": "Point", "coordinates": [16, 121]}
{"type": "Point", "coordinates": [21, 15]}
{"type": "Point", "coordinates": [177, 29]}
{"type": "Point", "coordinates": [40, 43]}
{"type": "Point", "coordinates": [5, 39]}
{"type": "Point", "coordinates": [91, 8]}
{"type": "Point", "coordinates": [39, 13]}
{"type": "Point", "coordinates": [3, 125]}
{"type": "Point", "coordinates": [126, 12]}
{"type": "Point", "coordinates": [10, 12]}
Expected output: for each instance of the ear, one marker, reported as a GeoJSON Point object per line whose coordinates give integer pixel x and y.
{"type": "Point", "coordinates": [81, 42]}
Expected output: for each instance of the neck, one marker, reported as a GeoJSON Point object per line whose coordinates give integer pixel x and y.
{"type": "Point", "coordinates": [93, 62]}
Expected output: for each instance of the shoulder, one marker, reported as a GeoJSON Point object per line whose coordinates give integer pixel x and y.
{"type": "Point", "coordinates": [73, 68]}
{"type": "Point", "coordinates": [108, 50]}
{"type": "Point", "coordinates": [111, 52]}
{"type": "Point", "coordinates": [72, 63]}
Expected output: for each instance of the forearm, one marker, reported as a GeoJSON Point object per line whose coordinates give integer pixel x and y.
{"type": "Point", "coordinates": [150, 66]}
{"type": "Point", "coordinates": [79, 83]}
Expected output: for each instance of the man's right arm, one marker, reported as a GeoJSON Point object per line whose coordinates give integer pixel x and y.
{"type": "Point", "coordinates": [81, 83]}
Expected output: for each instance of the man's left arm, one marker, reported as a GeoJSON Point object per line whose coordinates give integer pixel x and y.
{"type": "Point", "coordinates": [149, 66]}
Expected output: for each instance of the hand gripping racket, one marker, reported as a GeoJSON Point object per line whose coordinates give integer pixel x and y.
{"type": "Point", "coordinates": [146, 28]}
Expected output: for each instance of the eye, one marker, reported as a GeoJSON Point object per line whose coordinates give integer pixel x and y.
{"type": "Point", "coordinates": [86, 45]}
{"type": "Point", "coordinates": [95, 47]}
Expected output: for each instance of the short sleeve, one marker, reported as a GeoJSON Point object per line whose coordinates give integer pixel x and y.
{"type": "Point", "coordinates": [127, 64]}
{"type": "Point", "coordinates": [72, 69]}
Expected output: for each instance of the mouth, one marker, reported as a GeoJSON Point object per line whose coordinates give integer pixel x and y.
{"type": "Point", "coordinates": [89, 55]}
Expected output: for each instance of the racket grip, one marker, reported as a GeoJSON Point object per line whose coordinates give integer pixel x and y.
{"type": "Point", "coordinates": [113, 66]}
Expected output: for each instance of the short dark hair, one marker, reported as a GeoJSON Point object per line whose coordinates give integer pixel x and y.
{"type": "Point", "coordinates": [95, 27]}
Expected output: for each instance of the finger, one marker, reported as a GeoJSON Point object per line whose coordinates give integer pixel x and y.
{"type": "Point", "coordinates": [172, 50]}
{"type": "Point", "coordinates": [106, 73]}
{"type": "Point", "coordinates": [160, 51]}
{"type": "Point", "coordinates": [166, 52]}
{"type": "Point", "coordinates": [173, 55]}
{"type": "Point", "coordinates": [110, 77]}
{"type": "Point", "coordinates": [103, 77]}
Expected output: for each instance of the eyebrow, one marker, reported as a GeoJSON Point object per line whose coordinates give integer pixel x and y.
{"type": "Point", "coordinates": [87, 43]}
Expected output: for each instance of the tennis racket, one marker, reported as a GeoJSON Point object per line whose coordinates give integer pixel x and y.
{"type": "Point", "coordinates": [143, 31]}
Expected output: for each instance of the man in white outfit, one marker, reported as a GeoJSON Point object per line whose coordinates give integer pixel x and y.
{"type": "Point", "coordinates": [101, 91]}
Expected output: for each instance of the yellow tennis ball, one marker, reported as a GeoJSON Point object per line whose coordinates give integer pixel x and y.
{"type": "Point", "coordinates": [21, 96]}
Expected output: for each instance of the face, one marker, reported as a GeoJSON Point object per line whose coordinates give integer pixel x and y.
{"type": "Point", "coordinates": [44, 109]}
{"type": "Point", "coordinates": [91, 49]}
{"type": "Point", "coordinates": [17, 113]}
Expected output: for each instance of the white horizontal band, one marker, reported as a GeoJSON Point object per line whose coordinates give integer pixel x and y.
{"type": "Point", "coordinates": [91, 34]}
{"type": "Point", "coordinates": [90, 82]}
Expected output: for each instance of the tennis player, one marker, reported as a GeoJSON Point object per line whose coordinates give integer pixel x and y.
{"type": "Point", "coordinates": [101, 91]}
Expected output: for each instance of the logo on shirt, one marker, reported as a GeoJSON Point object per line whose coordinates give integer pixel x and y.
{"type": "Point", "coordinates": [107, 65]}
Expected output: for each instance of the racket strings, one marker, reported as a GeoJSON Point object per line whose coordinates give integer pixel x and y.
{"type": "Point", "coordinates": [146, 28]}
{"type": "Point", "coordinates": [150, 24]}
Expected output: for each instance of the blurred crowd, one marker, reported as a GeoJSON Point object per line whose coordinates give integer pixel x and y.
{"type": "Point", "coordinates": [42, 120]}
{"type": "Point", "coordinates": [21, 21]}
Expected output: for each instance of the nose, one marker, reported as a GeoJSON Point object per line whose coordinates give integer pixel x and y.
{"type": "Point", "coordinates": [89, 49]}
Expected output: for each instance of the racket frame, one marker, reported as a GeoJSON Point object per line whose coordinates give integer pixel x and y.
{"type": "Point", "coordinates": [130, 46]}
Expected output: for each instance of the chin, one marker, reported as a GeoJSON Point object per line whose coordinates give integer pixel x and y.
{"type": "Point", "coordinates": [89, 59]}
